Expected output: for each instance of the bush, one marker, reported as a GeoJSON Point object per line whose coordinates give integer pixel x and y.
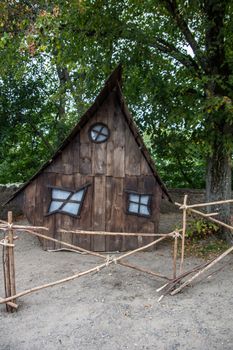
{"type": "Point", "coordinates": [201, 229]}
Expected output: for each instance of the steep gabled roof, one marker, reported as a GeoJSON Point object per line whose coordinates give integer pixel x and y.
{"type": "Point", "coordinates": [113, 82]}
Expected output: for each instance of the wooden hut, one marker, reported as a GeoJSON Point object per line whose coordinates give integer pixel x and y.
{"type": "Point", "coordinates": [101, 178]}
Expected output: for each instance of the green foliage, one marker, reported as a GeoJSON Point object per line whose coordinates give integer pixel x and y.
{"type": "Point", "coordinates": [203, 239]}
{"type": "Point", "coordinates": [201, 229]}
{"type": "Point", "coordinates": [178, 82]}
{"type": "Point", "coordinates": [30, 126]}
{"type": "Point", "coordinates": [179, 159]}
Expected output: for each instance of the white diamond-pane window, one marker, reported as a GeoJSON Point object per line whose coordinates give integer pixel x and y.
{"type": "Point", "coordinates": [67, 202]}
{"type": "Point", "coordinates": [139, 204]}
{"type": "Point", "coordinates": [99, 133]}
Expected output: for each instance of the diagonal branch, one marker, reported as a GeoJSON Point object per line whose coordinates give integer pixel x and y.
{"type": "Point", "coordinates": [163, 46]}
{"type": "Point", "coordinates": [168, 48]}
{"type": "Point", "coordinates": [172, 8]}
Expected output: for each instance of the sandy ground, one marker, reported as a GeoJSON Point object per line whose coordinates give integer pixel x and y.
{"type": "Point", "coordinates": [116, 308]}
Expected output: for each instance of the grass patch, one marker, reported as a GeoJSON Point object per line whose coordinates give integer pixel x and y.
{"type": "Point", "coordinates": [202, 239]}
{"type": "Point", "coordinates": [205, 249]}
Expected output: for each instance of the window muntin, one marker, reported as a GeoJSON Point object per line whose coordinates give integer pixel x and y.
{"type": "Point", "coordinates": [67, 201]}
{"type": "Point", "coordinates": [139, 204]}
{"type": "Point", "coordinates": [99, 132]}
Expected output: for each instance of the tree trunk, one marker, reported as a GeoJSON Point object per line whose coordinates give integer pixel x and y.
{"type": "Point", "coordinates": [218, 179]}
{"type": "Point", "coordinates": [218, 184]}
{"type": "Point", "coordinates": [63, 76]}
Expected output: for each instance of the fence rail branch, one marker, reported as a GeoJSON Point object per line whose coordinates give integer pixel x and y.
{"type": "Point", "coordinates": [204, 204]}
{"type": "Point", "coordinates": [105, 233]}
{"type": "Point", "coordinates": [210, 218]}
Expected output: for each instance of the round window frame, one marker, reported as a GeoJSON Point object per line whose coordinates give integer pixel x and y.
{"type": "Point", "coordinates": [90, 129]}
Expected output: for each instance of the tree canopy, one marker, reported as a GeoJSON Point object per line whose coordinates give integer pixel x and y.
{"type": "Point", "coordinates": [177, 62]}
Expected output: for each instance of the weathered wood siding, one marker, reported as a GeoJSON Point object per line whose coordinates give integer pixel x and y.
{"type": "Point", "coordinates": [110, 168]}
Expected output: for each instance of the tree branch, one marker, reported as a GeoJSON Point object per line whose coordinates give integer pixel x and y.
{"type": "Point", "coordinates": [172, 8]}
{"type": "Point", "coordinates": [171, 50]}
{"type": "Point", "coordinates": [64, 77]}
{"type": "Point", "coordinates": [215, 12]}
{"type": "Point", "coordinates": [163, 46]}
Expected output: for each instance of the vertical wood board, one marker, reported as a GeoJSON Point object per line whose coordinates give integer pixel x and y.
{"type": "Point", "coordinates": [85, 220]}
{"type": "Point", "coordinates": [115, 216]}
{"type": "Point", "coordinates": [29, 202]}
{"type": "Point", "coordinates": [98, 242]}
{"type": "Point", "coordinates": [119, 142]}
{"type": "Point", "coordinates": [132, 155]}
{"type": "Point", "coordinates": [85, 166]}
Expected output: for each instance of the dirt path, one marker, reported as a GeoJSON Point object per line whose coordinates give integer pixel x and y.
{"type": "Point", "coordinates": [116, 308]}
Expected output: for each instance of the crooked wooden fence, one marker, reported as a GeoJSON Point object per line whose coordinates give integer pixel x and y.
{"type": "Point", "coordinates": [170, 287]}
{"type": "Point", "coordinates": [9, 263]}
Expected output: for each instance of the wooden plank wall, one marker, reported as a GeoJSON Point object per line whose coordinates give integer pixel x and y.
{"type": "Point", "coordinates": [110, 168]}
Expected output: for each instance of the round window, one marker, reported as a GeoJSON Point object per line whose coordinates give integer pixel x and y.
{"type": "Point", "coordinates": [99, 132]}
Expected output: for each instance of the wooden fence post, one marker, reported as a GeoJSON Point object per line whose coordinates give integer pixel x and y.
{"type": "Point", "coordinates": [183, 233]}
{"type": "Point", "coordinates": [175, 255]}
{"type": "Point", "coordinates": [9, 268]}
{"type": "Point", "coordinates": [6, 274]}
